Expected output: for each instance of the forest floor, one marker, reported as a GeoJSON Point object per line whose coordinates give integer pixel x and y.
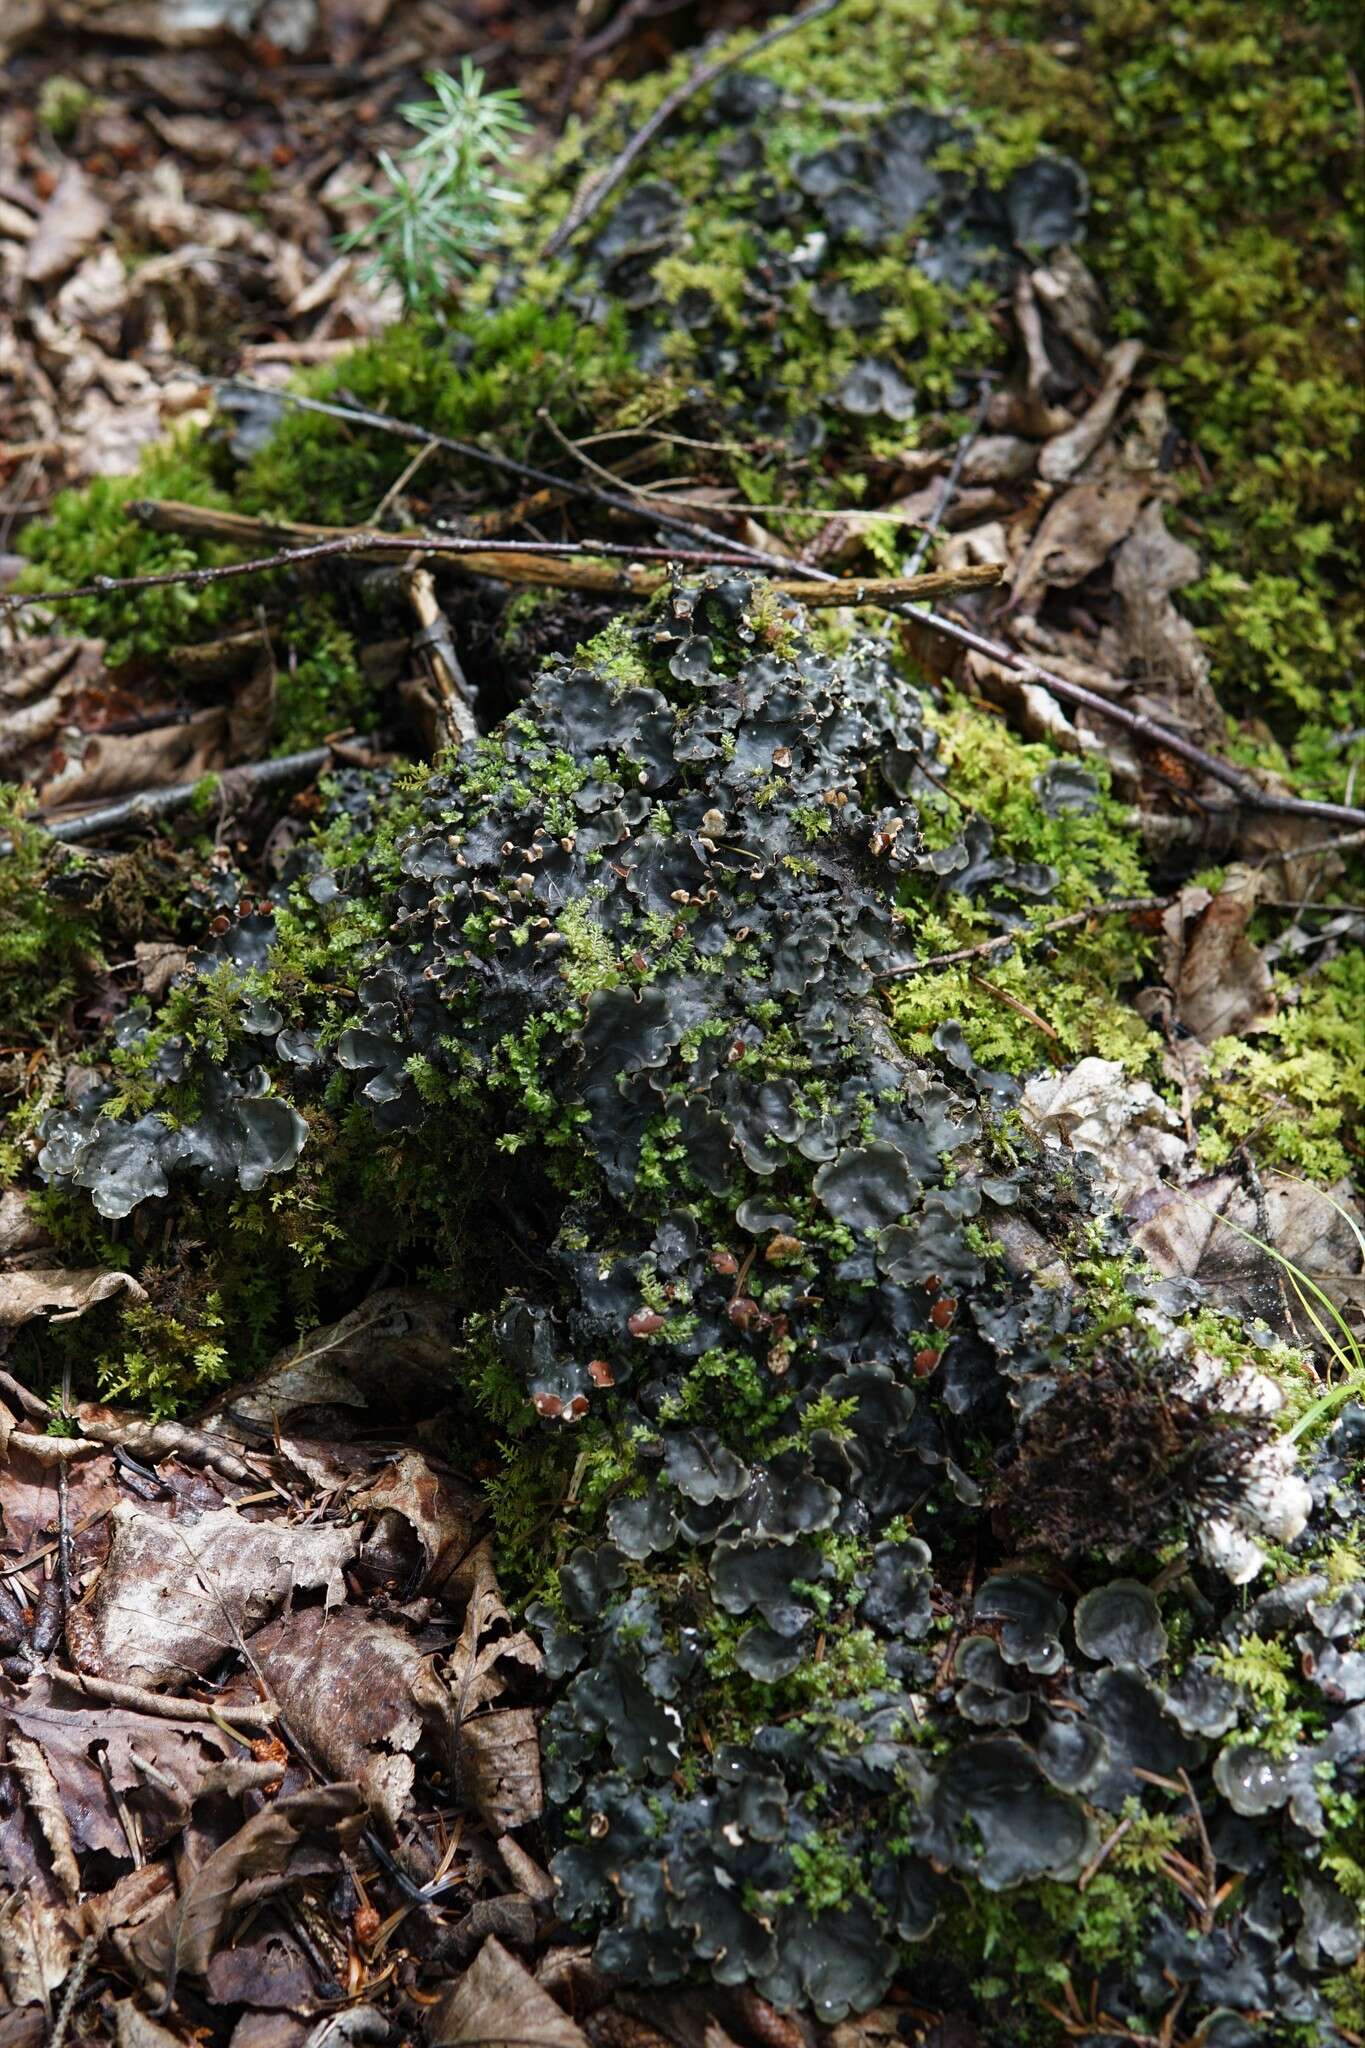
{"type": "Point", "coordinates": [273, 1706]}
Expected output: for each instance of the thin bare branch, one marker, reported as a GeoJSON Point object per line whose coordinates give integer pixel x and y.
{"type": "Point", "coordinates": [1148, 730]}
{"type": "Point", "coordinates": [164, 1706]}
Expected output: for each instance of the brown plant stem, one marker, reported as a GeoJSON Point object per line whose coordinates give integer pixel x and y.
{"type": "Point", "coordinates": [164, 1706]}
{"type": "Point", "coordinates": [148, 804]}
{"type": "Point", "coordinates": [1148, 730]}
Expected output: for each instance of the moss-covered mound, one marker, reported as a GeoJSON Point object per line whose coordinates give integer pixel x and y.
{"type": "Point", "coordinates": [886, 1585]}
{"type": "Point", "coordinates": [880, 1514]}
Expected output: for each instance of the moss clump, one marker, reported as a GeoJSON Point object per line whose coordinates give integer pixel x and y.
{"type": "Point", "coordinates": [1221, 141]}
{"type": "Point", "coordinates": [1039, 1000]}
{"type": "Point", "coordinates": [49, 943]}
{"type": "Point", "coordinates": [1297, 1093]}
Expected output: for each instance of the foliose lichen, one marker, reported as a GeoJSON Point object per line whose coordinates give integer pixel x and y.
{"type": "Point", "coordinates": [794, 1724]}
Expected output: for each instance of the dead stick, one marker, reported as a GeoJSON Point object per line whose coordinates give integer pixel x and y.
{"type": "Point", "coordinates": [537, 565]}
{"type": "Point", "coordinates": [890, 591]}
{"type": "Point", "coordinates": [437, 643]}
{"type": "Point", "coordinates": [1150, 730]}
{"type": "Point", "coordinates": [545, 564]}
{"type": "Point", "coordinates": [149, 804]}
{"type": "Point", "coordinates": [252, 1713]}
{"type": "Point", "coordinates": [1117, 906]}
{"type": "Point", "coordinates": [591, 200]}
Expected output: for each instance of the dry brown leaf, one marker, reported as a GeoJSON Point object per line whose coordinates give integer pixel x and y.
{"type": "Point", "coordinates": [362, 1696]}
{"type": "Point", "coordinates": [133, 2028]}
{"type": "Point", "coordinates": [158, 963]}
{"type": "Point", "coordinates": [442, 1513]}
{"type": "Point", "coordinates": [117, 764]}
{"type": "Point", "coordinates": [1154, 640]}
{"type": "Point", "coordinates": [498, 1999]}
{"type": "Point", "coordinates": [1222, 986]}
{"type": "Point", "coordinates": [500, 1767]}
{"type": "Point", "coordinates": [1069, 295]}
{"type": "Point", "coordinates": [269, 1969]}
{"type": "Point", "coordinates": [1067, 453]}
{"type": "Point", "coordinates": [1077, 533]}
{"type": "Point", "coordinates": [386, 1356]}
{"type": "Point", "coordinates": [251, 715]}
{"type": "Point", "coordinates": [156, 1768]}
{"type": "Point", "coordinates": [301, 1836]}
{"type": "Point", "coordinates": [1098, 1109]}
{"type": "Point", "coordinates": [58, 1294]}
{"type": "Point", "coordinates": [486, 1639]}
{"type": "Point", "coordinates": [34, 1773]}
{"type": "Point", "coordinates": [174, 1597]}
{"type": "Point", "coordinates": [20, 1231]}
{"type": "Point", "coordinates": [1181, 1231]}
{"type": "Point", "coordinates": [71, 222]}
{"type": "Point", "coordinates": [37, 1946]}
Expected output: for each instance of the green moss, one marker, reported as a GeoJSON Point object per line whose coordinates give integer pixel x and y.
{"type": "Point", "coordinates": [49, 941]}
{"type": "Point", "coordinates": [1012, 1946]}
{"type": "Point", "coordinates": [159, 1364]}
{"type": "Point", "coordinates": [1296, 1094]}
{"type": "Point", "coordinates": [1220, 138]}
{"type": "Point", "coordinates": [1042, 1000]}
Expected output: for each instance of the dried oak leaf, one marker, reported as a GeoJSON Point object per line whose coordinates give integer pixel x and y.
{"type": "Point", "coordinates": [301, 1836]}
{"type": "Point", "coordinates": [500, 1767]}
{"type": "Point", "coordinates": [176, 1597]}
{"type": "Point", "coordinates": [363, 1696]}
{"type": "Point", "coordinates": [37, 1946]}
{"type": "Point", "coordinates": [486, 1641]}
{"type": "Point", "coordinates": [497, 1999]}
{"type": "Point", "coordinates": [1076, 534]}
{"type": "Point", "coordinates": [269, 1970]}
{"type": "Point", "coordinates": [72, 220]}
{"type": "Point", "coordinates": [35, 1776]}
{"type": "Point", "coordinates": [133, 2028]}
{"type": "Point", "coordinates": [386, 1356]}
{"type": "Point", "coordinates": [157, 1768]}
{"type": "Point", "coordinates": [114, 764]}
{"type": "Point", "coordinates": [442, 1514]}
{"type": "Point", "coordinates": [1221, 984]}
{"type": "Point", "coordinates": [1182, 1232]}
{"type": "Point", "coordinates": [59, 1294]}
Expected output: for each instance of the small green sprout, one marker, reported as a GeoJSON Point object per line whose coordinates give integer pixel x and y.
{"type": "Point", "coordinates": [438, 212]}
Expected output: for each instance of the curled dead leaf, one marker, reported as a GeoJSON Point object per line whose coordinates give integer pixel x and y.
{"type": "Point", "coordinates": [60, 1295]}
{"type": "Point", "coordinates": [496, 1999]}
{"type": "Point", "coordinates": [301, 1836]}
{"type": "Point", "coordinates": [174, 1598]}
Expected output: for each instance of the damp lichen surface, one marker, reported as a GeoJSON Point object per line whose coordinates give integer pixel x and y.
{"type": "Point", "coordinates": [879, 1596]}
{"type": "Point", "coordinates": [870, 1550]}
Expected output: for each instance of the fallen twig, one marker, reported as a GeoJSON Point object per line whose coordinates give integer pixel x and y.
{"type": "Point", "coordinates": [75, 1985]}
{"type": "Point", "coordinates": [252, 1713]}
{"type": "Point", "coordinates": [594, 196]}
{"type": "Point", "coordinates": [552, 564]}
{"type": "Point", "coordinates": [548, 564]}
{"type": "Point", "coordinates": [147, 804]}
{"type": "Point", "coordinates": [1149, 730]}
{"type": "Point", "coordinates": [950, 482]}
{"type": "Point", "coordinates": [435, 641]}
{"type": "Point", "coordinates": [1117, 906]}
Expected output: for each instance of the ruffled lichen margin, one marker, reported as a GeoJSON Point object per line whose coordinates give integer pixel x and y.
{"type": "Point", "coordinates": [848, 1672]}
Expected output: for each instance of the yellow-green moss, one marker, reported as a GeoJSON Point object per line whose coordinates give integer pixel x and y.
{"type": "Point", "coordinates": [1296, 1092]}
{"type": "Point", "coordinates": [1069, 984]}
